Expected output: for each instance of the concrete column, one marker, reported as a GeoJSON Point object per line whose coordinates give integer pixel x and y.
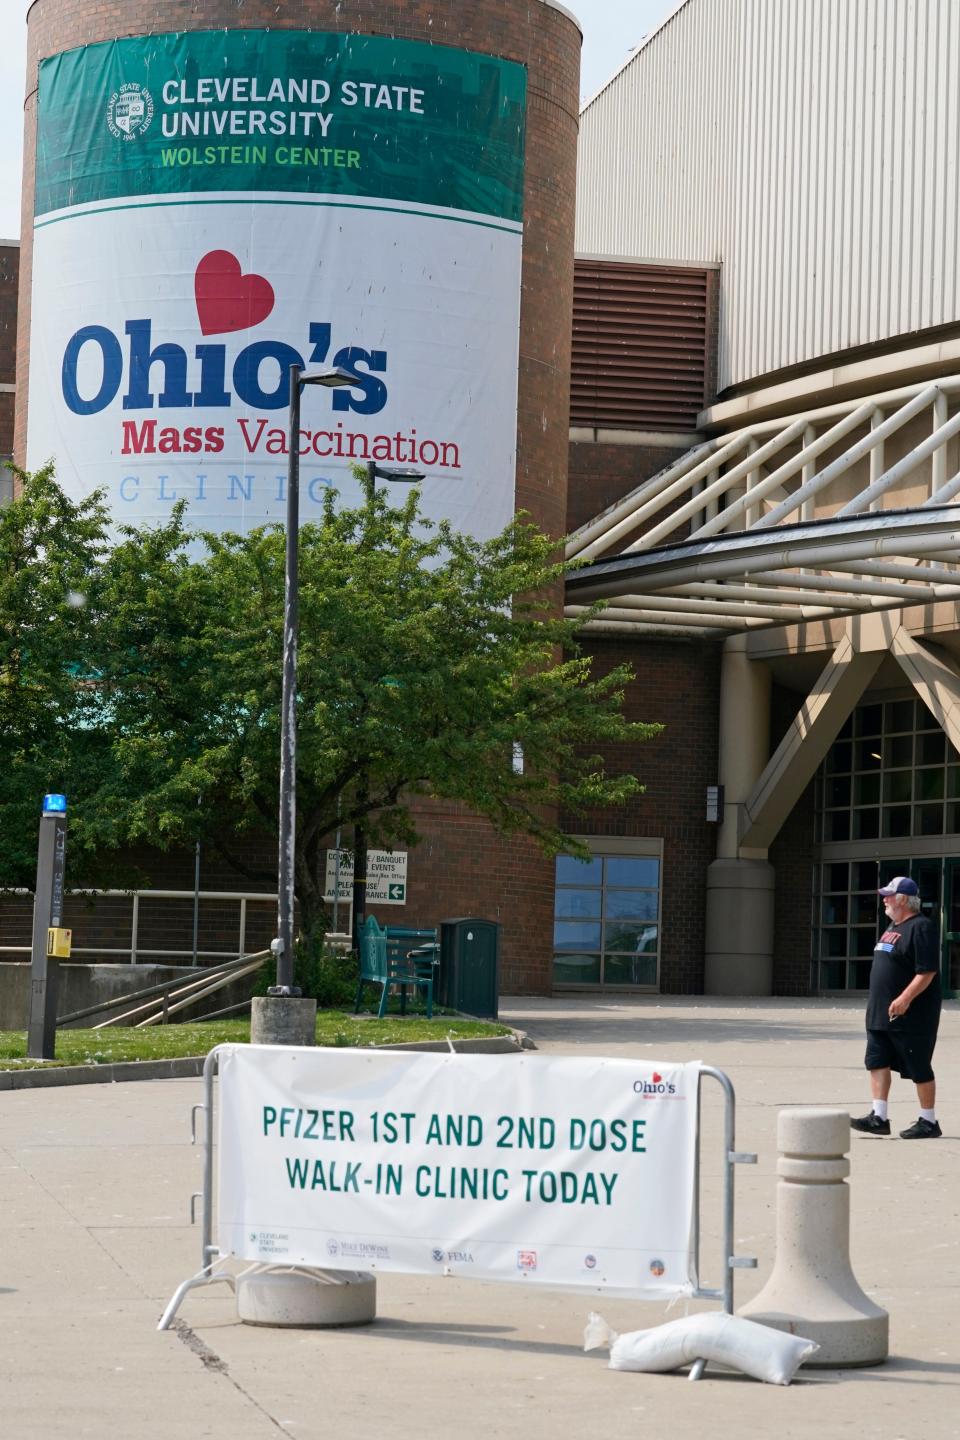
{"type": "Point", "coordinates": [739, 919]}
{"type": "Point", "coordinates": [739, 928]}
{"type": "Point", "coordinates": [744, 747]}
{"type": "Point", "coordinates": [813, 1291]}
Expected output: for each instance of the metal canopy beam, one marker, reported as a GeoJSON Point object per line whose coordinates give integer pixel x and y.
{"type": "Point", "coordinates": [795, 760]}
{"type": "Point", "coordinates": [754, 609]}
{"type": "Point", "coordinates": [756, 552]}
{"type": "Point", "coordinates": [821, 543]}
{"type": "Point", "coordinates": [837, 584]}
{"type": "Point", "coordinates": [935, 679]}
{"type": "Point", "coordinates": [790, 588]}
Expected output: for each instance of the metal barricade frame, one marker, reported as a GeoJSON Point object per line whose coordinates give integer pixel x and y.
{"type": "Point", "coordinates": [211, 1256]}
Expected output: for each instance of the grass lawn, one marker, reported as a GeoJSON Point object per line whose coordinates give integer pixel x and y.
{"type": "Point", "coordinates": [163, 1042]}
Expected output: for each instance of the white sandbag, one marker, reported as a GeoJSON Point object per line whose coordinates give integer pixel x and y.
{"type": "Point", "coordinates": [757, 1350]}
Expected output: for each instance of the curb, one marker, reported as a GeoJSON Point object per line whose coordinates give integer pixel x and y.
{"type": "Point", "coordinates": [494, 1045]}
{"type": "Point", "coordinates": [184, 1067]}
{"type": "Point", "coordinates": [189, 1067]}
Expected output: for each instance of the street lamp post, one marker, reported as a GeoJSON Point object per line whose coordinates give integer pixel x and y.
{"type": "Point", "coordinates": [282, 946]}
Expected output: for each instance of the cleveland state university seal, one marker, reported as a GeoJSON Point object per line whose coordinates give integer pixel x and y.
{"type": "Point", "coordinates": [129, 111]}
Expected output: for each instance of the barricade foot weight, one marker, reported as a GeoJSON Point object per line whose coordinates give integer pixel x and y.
{"type": "Point", "coordinates": [299, 1296]}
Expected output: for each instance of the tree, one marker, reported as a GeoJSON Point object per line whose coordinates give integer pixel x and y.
{"type": "Point", "coordinates": [425, 658]}
{"type": "Point", "coordinates": [51, 556]}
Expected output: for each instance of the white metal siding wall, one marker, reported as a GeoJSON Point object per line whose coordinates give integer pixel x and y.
{"type": "Point", "coordinates": [810, 146]}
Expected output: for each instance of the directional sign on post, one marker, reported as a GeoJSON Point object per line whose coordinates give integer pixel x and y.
{"type": "Point", "coordinates": [386, 876]}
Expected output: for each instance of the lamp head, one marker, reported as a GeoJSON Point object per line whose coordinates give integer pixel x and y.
{"type": "Point", "coordinates": [404, 473]}
{"type": "Point", "coordinates": [333, 378]}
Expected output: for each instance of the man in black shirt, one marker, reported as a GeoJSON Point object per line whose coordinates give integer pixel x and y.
{"type": "Point", "coordinates": [903, 1011]}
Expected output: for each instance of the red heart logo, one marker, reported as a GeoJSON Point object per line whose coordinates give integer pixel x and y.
{"type": "Point", "coordinates": [226, 298]}
{"type": "Point", "coordinates": [656, 1078]}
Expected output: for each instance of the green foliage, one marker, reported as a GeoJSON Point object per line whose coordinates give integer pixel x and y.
{"type": "Point", "coordinates": [425, 657]}
{"type": "Point", "coordinates": [324, 975]}
{"type": "Point", "coordinates": [51, 567]}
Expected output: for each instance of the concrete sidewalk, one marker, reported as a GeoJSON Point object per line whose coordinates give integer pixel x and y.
{"type": "Point", "coordinates": [94, 1188]}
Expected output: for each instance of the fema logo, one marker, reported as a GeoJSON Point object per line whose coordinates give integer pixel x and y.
{"type": "Point", "coordinates": [333, 1247]}
{"type": "Point", "coordinates": [437, 1255]}
{"type": "Point", "coordinates": [129, 111]}
{"type": "Point", "coordinates": [590, 1261]}
{"type": "Point", "coordinates": [657, 1268]}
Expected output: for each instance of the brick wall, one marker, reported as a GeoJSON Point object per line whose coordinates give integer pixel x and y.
{"type": "Point", "coordinates": [677, 684]}
{"type": "Point", "coordinates": [9, 280]}
{"type": "Point", "coordinates": [103, 923]}
{"type": "Point", "coordinates": [462, 867]}
{"type": "Point", "coordinates": [600, 474]}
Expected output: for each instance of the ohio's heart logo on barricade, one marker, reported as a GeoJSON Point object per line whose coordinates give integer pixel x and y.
{"type": "Point", "coordinates": [226, 298]}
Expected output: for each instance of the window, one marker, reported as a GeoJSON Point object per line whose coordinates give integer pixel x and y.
{"type": "Point", "coordinates": [889, 775]}
{"type": "Point", "coordinates": [606, 928]}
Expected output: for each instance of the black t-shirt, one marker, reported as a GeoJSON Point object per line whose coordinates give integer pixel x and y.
{"type": "Point", "coordinates": [903, 951]}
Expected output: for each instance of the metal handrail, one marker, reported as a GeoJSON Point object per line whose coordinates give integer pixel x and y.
{"type": "Point", "coordinates": [148, 991]}
{"type": "Point", "coordinates": [133, 950]}
{"type": "Point", "coordinates": [159, 1011]}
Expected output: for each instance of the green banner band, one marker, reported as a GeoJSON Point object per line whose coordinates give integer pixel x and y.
{"type": "Point", "coordinates": [281, 110]}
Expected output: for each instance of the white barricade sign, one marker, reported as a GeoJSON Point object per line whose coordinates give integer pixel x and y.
{"type": "Point", "coordinates": [571, 1172]}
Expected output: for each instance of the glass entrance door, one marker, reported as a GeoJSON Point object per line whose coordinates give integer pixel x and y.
{"type": "Point", "coordinates": [850, 917]}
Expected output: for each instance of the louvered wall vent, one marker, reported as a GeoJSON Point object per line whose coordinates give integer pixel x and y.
{"type": "Point", "coordinates": [640, 338]}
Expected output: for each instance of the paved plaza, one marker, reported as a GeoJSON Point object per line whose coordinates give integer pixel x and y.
{"type": "Point", "coordinates": [94, 1191]}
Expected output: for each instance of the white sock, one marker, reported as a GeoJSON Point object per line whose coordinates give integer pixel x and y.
{"type": "Point", "coordinates": [880, 1109]}
{"type": "Point", "coordinates": [930, 1115]}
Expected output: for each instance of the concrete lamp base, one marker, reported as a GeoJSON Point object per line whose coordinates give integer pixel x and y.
{"type": "Point", "coordinates": [306, 1298]}
{"type": "Point", "coordinates": [282, 1020]}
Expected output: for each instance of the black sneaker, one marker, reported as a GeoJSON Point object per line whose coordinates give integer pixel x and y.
{"type": "Point", "coordinates": [922, 1130]}
{"type": "Point", "coordinates": [872, 1125]}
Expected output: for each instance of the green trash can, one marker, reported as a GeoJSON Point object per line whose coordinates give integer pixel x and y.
{"type": "Point", "coordinates": [470, 966]}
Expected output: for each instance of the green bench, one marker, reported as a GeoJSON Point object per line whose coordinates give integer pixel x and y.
{"type": "Point", "coordinates": [393, 956]}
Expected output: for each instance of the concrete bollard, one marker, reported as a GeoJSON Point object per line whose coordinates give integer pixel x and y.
{"type": "Point", "coordinates": [813, 1291]}
{"type": "Point", "coordinates": [283, 1020]}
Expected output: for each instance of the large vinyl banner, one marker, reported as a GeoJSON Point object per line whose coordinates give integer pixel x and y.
{"type": "Point", "coordinates": [571, 1172]}
{"type": "Point", "coordinates": [214, 206]}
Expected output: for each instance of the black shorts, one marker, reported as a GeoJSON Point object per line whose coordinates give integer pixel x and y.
{"type": "Point", "coordinates": [909, 1054]}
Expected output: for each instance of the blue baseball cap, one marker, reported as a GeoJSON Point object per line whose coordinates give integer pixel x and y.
{"type": "Point", "coordinates": [900, 885]}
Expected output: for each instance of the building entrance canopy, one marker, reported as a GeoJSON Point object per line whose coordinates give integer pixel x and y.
{"type": "Point", "coordinates": [835, 512]}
